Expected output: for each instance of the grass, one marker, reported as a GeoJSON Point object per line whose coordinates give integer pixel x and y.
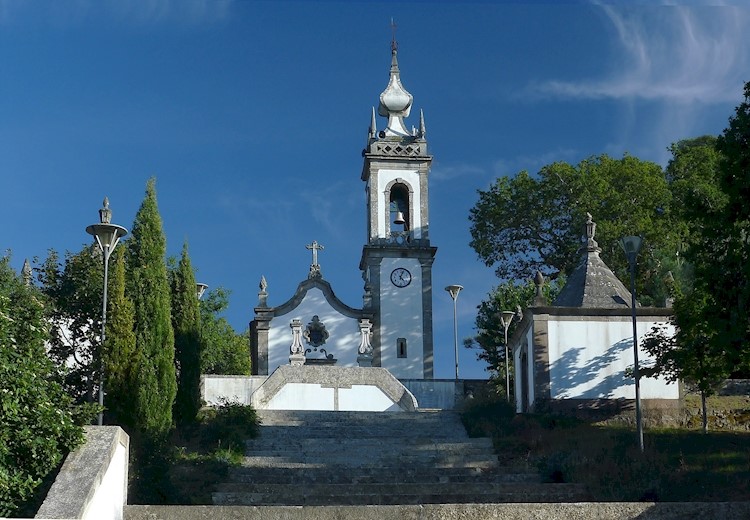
{"type": "Point", "coordinates": [677, 464]}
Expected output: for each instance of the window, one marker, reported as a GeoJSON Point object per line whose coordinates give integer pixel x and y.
{"type": "Point", "coordinates": [401, 347]}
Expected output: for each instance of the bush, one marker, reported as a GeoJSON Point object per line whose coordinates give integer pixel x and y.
{"type": "Point", "coordinates": [37, 427]}
{"type": "Point", "coordinates": [228, 426]}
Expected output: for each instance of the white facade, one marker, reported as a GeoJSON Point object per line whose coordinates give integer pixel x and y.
{"type": "Point", "coordinates": [385, 179]}
{"type": "Point", "coordinates": [584, 358]}
{"type": "Point", "coordinates": [343, 332]}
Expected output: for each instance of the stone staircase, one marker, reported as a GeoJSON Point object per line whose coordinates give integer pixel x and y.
{"type": "Point", "coordinates": [306, 458]}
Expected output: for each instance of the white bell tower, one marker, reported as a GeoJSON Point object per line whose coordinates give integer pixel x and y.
{"type": "Point", "coordinates": [397, 258]}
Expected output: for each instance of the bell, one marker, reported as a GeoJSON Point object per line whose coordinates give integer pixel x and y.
{"type": "Point", "coordinates": [399, 218]}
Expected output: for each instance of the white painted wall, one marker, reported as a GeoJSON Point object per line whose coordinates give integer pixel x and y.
{"type": "Point", "coordinates": [214, 388]}
{"type": "Point", "coordinates": [588, 360]}
{"type": "Point", "coordinates": [410, 177]}
{"type": "Point", "coordinates": [401, 317]}
{"type": "Point", "coordinates": [312, 396]}
{"type": "Point", "coordinates": [110, 495]}
{"type": "Point", "coordinates": [343, 339]}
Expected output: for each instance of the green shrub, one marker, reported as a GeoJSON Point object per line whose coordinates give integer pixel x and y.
{"type": "Point", "coordinates": [228, 426]}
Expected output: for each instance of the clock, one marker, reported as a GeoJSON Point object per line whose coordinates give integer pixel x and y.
{"type": "Point", "coordinates": [400, 277]}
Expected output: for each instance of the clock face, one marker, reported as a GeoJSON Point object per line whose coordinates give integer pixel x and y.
{"type": "Point", "coordinates": [400, 277]}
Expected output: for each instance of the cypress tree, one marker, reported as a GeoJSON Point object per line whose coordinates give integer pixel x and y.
{"type": "Point", "coordinates": [119, 350]}
{"type": "Point", "coordinates": [148, 288]}
{"type": "Point", "coordinates": [186, 324]}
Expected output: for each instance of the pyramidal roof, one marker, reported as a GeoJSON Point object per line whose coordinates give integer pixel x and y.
{"type": "Point", "coordinates": [592, 284]}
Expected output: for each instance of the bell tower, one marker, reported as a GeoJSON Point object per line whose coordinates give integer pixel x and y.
{"type": "Point", "coordinates": [397, 257]}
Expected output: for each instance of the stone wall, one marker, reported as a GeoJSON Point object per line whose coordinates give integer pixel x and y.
{"type": "Point", "coordinates": [93, 481]}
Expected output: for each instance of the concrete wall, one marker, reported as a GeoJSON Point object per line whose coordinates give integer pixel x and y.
{"type": "Point", "coordinates": [588, 359]}
{"type": "Point", "coordinates": [92, 483]}
{"type": "Point", "coordinates": [234, 388]}
{"type": "Point", "coordinates": [443, 394]}
{"type": "Point", "coordinates": [579, 511]}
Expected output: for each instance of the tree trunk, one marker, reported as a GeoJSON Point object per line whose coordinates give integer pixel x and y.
{"type": "Point", "coordinates": [705, 412]}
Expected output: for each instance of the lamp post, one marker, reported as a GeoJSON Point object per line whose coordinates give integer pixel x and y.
{"type": "Point", "coordinates": [200, 288]}
{"type": "Point", "coordinates": [107, 236]}
{"type": "Point", "coordinates": [453, 290]}
{"type": "Point", "coordinates": [632, 245]}
{"type": "Point", "coordinates": [506, 317]}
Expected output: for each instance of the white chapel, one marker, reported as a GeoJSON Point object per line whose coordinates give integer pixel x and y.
{"type": "Point", "coordinates": [393, 328]}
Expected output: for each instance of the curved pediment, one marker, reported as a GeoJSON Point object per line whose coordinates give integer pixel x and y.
{"type": "Point", "coordinates": [318, 283]}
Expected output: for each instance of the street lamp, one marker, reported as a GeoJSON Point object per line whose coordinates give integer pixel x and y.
{"type": "Point", "coordinates": [506, 317]}
{"type": "Point", "coordinates": [453, 290]}
{"type": "Point", "coordinates": [107, 236]}
{"type": "Point", "coordinates": [200, 288]}
{"type": "Point", "coordinates": [632, 245]}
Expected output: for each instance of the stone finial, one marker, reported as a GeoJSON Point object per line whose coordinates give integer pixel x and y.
{"type": "Point", "coordinates": [27, 273]}
{"type": "Point", "coordinates": [422, 127]}
{"type": "Point", "coordinates": [365, 350]}
{"type": "Point", "coordinates": [315, 266]}
{"type": "Point", "coordinates": [262, 294]}
{"type": "Point", "coordinates": [105, 214]}
{"type": "Point", "coordinates": [297, 350]}
{"type": "Point", "coordinates": [373, 132]}
{"type": "Point", "coordinates": [591, 244]}
{"type": "Point", "coordinates": [395, 101]}
{"type": "Point", "coordinates": [539, 299]}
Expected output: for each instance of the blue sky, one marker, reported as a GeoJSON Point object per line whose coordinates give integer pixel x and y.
{"type": "Point", "coordinates": [252, 116]}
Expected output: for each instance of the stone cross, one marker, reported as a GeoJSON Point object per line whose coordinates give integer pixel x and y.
{"type": "Point", "coordinates": [315, 247]}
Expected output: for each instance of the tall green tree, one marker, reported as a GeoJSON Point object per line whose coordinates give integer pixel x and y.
{"type": "Point", "coordinates": [36, 416]}
{"type": "Point", "coordinates": [148, 289]}
{"type": "Point", "coordinates": [526, 223]}
{"type": "Point", "coordinates": [120, 357]}
{"type": "Point", "coordinates": [721, 257]}
{"type": "Point", "coordinates": [186, 322]}
{"type": "Point", "coordinates": [223, 351]}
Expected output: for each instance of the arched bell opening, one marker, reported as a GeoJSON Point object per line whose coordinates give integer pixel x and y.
{"type": "Point", "coordinates": [399, 215]}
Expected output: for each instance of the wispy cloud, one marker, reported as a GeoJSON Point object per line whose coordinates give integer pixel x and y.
{"type": "Point", "coordinates": [695, 54]}
{"type": "Point", "coordinates": [449, 172]}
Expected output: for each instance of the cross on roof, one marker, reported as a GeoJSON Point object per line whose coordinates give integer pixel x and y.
{"type": "Point", "coordinates": [315, 247]}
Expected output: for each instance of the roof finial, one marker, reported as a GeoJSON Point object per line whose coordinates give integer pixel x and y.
{"type": "Point", "coordinates": [373, 125]}
{"type": "Point", "coordinates": [591, 244]}
{"type": "Point", "coordinates": [394, 43]}
{"type": "Point", "coordinates": [422, 127]}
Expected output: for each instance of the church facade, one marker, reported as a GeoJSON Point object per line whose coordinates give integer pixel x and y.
{"type": "Point", "coordinates": [393, 329]}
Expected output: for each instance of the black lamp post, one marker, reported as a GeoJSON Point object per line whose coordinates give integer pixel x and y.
{"type": "Point", "coordinates": [632, 245]}
{"type": "Point", "coordinates": [107, 237]}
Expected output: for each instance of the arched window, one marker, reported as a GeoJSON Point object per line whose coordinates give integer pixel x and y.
{"type": "Point", "coordinates": [399, 208]}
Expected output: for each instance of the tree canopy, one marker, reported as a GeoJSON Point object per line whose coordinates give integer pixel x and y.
{"type": "Point", "coordinates": [523, 224]}
{"type": "Point", "coordinates": [36, 415]}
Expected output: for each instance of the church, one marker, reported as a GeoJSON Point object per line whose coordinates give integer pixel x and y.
{"type": "Point", "coordinates": [393, 328]}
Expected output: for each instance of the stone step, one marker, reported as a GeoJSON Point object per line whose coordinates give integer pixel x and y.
{"type": "Point", "coordinates": [383, 474]}
{"type": "Point", "coordinates": [451, 494]}
{"type": "Point", "coordinates": [348, 464]}
{"type": "Point", "coordinates": [311, 448]}
{"type": "Point", "coordinates": [391, 443]}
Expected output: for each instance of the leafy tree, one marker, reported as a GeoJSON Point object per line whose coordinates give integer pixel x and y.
{"type": "Point", "coordinates": [522, 224]}
{"type": "Point", "coordinates": [490, 339]}
{"type": "Point", "coordinates": [223, 350]}
{"type": "Point", "coordinates": [75, 291]}
{"type": "Point", "coordinates": [120, 354]}
{"type": "Point", "coordinates": [148, 288]}
{"type": "Point", "coordinates": [36, 417]}
{"type": "Point", "coordinates": [186, 323]}
{"type": "Point", "coordinates": [722, 258]}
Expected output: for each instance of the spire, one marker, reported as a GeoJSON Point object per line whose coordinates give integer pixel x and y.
{"type": "Point", "coordinates": [592, 284]}
{"type": "Point", "coordinates": [395, 101]}
{"type": "Point", "coordinates": [27, 273]}
{"type": "Point", "coordinates": [422, 127]}
{"type": "Point", "coordinates": [373, 125]}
